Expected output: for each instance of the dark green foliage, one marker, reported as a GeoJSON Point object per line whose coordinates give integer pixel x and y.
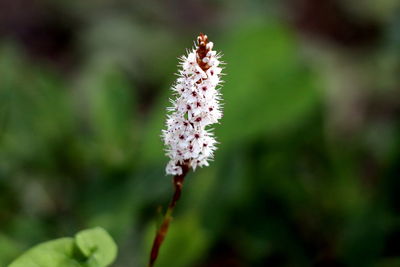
{"type": "Point", "coordinates": [306, 173]}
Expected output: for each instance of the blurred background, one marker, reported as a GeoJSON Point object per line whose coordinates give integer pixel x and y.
{"type": "Point", "coordinates": [307, 172]}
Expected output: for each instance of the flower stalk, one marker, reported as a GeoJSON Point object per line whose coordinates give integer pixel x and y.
{"type": "Point", "coordinates": [162, 231]}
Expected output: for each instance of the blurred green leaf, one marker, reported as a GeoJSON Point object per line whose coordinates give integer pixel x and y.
{"type": "Point", "coordinates": [97, 245]}
{"type": "Point", "coordinates": [268, 89]}
{"type": "Point", "coordinates": [90, 248]}
{"type": "Point", "coordinates": [111, 110]}
{"type": "Point", "coordinates": [9, 249]}
{"type": "Point", "coordinates": [56, 253]}
{"type": "Point", "coordinates": [36, 114]}
{"type": "Point", "coordinates": [388, 262]}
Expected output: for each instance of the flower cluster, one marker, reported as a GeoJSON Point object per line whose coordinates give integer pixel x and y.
{"type": "Point", "coordinates": [196, 106]}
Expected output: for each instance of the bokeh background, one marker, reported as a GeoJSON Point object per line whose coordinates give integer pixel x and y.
{"type": "Point", "coordinates": [307, 172]}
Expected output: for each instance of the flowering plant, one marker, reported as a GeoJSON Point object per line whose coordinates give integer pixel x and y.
{"type": "Point", "coordinates": [190, 144]}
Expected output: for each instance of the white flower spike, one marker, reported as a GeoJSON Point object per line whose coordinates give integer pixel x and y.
{"type": "Point", "coordinates": [189, 143]}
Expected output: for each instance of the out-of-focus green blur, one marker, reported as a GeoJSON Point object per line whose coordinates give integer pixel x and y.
{"type": "Point", "coordinates": [307, 172]}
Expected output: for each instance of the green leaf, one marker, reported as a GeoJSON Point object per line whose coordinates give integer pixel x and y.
{"type": "Point", "coordinates": [268, 87]}
{"type": "Point", "coordinates": [9, 249]}
{"type": "Point", "coordinates": [388, 262]}
{"type": "Point", "coordinates": [97, 245]}
{"type": "Point", "coordinates": [111, 107]}
{"type": "Point", "coordinates": [56, 253]}
{"type": "Point", "coordinates": [90, 248]}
